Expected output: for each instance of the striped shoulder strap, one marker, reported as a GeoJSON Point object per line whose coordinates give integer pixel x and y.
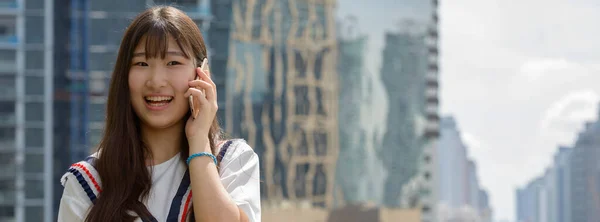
{"type": "Point", "coordinates": [87, 176]}
{"type": "Point", "coordinates": [223, 150]}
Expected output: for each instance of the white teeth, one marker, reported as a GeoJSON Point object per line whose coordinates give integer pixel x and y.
{"type": "Point", "coordinates": [158, 98]}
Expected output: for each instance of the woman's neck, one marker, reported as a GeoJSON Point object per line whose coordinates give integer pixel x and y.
{"type": "Point", "coordinates": [164, 144]}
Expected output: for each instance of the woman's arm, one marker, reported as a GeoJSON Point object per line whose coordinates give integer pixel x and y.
{"type": "Point", "coordinates": [232, 196]}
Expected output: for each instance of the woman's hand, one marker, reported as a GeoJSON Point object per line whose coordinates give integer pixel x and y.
{"type": "Point", "coordinates": [197, 129]}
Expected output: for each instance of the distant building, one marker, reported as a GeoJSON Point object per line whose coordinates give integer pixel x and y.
{"type": "Point", "coordinates": [484, 207]}
{"type": "Point", "coordinates": [472, 188]}
{"type": "Point", "coordinates": [529, 201]}
{"type": "Point", "coordinates": [585, 174]}
{"type": "Point", "coordinates": [359, 174]}
{"type": "Point", "coordinates": [563, 182]}
{"type": "Point", "coordinates": [34, 113]}
{"type": "Point", "coordinates": [281, 94]}
{"type": "Point", "coordinates": [460, 194]}
{"type": "Point", "coordinates": [452, 165]}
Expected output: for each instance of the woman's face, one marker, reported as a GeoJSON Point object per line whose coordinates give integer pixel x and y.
{"type": "Point", "coordinates": [157, 85]}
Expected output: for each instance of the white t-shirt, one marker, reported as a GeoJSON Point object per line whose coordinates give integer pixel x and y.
{"type": "Point", "coordinates": [239, 173]}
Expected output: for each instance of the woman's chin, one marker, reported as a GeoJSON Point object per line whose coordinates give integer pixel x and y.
{"type": "Point", "coordinates": [161, 122]}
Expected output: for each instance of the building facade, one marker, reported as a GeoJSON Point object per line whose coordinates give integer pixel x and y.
{"type": "Point", "coordinates": [452, 165]}
{"type": "Point", "coordinates": [409, 71]}
{"type": "Point", "coordinates": [359, 174]}
{"type": "Point", "coordinates": [585, 175]}
{"type": "Point", "coordinates": [460, 193]}
{"type": "Point", "coordinates": [529, 201]}
{"type": "Point", "coordinates": [29, 128]}
{"type": "Point", "coordinates": [562, 180]}
{"type": "Point", "coordinates": [281, 95]}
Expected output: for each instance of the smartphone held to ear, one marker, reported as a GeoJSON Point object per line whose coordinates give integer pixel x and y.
{"type": "Point", "coordinates": [195, 108]}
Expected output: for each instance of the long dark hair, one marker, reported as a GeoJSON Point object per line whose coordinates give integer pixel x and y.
{"type": "Point", "coordinates": [121, 164]}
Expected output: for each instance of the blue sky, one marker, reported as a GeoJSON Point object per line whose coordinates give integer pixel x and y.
{"type": "Point", "coordinates": [520, 76]}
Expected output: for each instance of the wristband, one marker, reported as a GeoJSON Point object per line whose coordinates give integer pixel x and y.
{"type": "Point", "coordinates": [201, 154]}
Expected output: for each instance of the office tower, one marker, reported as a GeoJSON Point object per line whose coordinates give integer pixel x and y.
{"type": "Point", "coordinates": [282, 95]}
{"type": "Point", "coordinates": [410, 75]}
{"type": "Point", "coordinates": [562, 180]}
{"type": "Point", "coordinates": [585, 175]}
{"type": "Point", "coordinates": [359, 174]}
{"type": "Point", "coordinates": [27, 40]}
{"type": "Point", "coordinates": [529, 201]}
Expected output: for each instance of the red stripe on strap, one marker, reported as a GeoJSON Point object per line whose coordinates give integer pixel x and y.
{"type": "Point", "coordinates": [81, 166]}
{"type": "Point", "coordinates": [185, 207]}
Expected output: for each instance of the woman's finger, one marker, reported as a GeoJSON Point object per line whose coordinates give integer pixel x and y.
{"type": "Point", "coordinates": [207, 87]}
{"type": "Point", "coordinates": [197, 93]}
{"type": "Point", "coordinates": [205, 75]}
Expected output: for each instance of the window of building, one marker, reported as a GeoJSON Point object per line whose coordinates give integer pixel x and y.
{"type": "Point", "coordinates": [34, 59]}
{"type": "Point", "coordinates": [34, 85]}
{"type": "Point", "coordinates": [34, 137]}
{"type": "Point", "coordinates": [7, 26]}
{"type": "Point", "coordinates": [32, 111]}
{"type": "Point", "coordinates": [34, 29]}
{"type": "Point", "coordinates": [34, 163]}
{"type": "Point", "coordinates": [34, 213]}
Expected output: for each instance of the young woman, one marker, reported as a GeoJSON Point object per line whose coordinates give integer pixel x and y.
{"type": "Point", "coordinates": [156, 162]}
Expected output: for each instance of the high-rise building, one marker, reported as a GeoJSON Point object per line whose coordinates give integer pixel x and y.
{"type": "Point", "coordinates": [30, 118]}
{"type": "Point", "coordinates": [281, 94]}
{"type": "Point", "coordinates": [452, 164]}
{"type": "Point", "coordinates": [585, 174]}
{"type": "Point", "coordinates": [529, 201]}
{"type": "Point", "coordinates": [562, 180]}
{"type": "Point", "coordinates": [359, 174]}
{"type": "Point", "coordinates": [460, 195]}
{"type": "Point", "coordinates": [472, 191]}
{"type": "Point", "coordinates": [485, 211]}
{"type": "Point", "coordinates": [410, 75]}
{"type": "Point", "coordinates": [403, 70]}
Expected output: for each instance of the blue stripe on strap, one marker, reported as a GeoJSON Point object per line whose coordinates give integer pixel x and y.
{"type": "Point", "coordinates": [176, 203]}
{"type": "Point", "coordinates": [223, 151]}
{"type": "Point", "coordinates": [84, 184]}
{"type": "Point", "coordinates": [152, 219]}
{"type": "Point", "coordinates": [91, 160]}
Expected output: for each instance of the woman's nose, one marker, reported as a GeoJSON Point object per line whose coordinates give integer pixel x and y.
{"type": "Point", "coordinates": [157, 78]}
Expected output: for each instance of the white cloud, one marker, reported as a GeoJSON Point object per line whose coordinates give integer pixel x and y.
{"type": "Point", "coordinates": [575, 106]}
{"type": "Point", "coordinates": [537, 68]}
{"type": "Point", "coordinates": [565, 117]}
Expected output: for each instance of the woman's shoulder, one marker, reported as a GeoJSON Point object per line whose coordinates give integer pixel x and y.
{"type": "Point", "coordinates": [233, 149]}
{"type": "Point", "coordinates": [84, 172]}
{"type": "Point", "coordinates": [82, 180]}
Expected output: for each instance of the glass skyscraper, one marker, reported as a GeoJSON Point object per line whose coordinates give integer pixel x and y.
{"type": "Point", "coordinates": [281, 93]}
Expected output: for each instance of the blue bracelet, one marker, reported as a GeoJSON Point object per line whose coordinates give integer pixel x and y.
{"type": "Point", "coordinates": [201, 154]}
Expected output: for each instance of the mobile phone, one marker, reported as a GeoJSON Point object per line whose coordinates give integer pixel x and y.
{"type": "Point", "coordinates": [193, 107]}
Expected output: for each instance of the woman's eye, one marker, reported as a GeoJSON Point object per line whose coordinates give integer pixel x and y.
{"type": "Point", "coordinates": [140, 64]}
{"type": "Point", "coordinates": [173, 63]}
